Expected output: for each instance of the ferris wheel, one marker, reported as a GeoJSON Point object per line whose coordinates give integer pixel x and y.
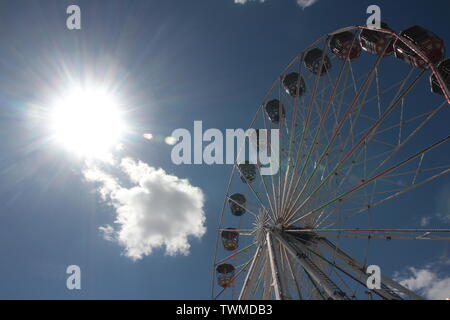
{"type": "Point", "coordinates": [360, 120]}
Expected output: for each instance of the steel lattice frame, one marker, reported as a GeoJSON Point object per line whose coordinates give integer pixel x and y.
{"type": "Point", "coordinates": [349, 145]}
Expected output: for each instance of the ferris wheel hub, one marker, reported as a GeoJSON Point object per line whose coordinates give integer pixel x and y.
{"type": "Point", "coordinates": [348, 142]}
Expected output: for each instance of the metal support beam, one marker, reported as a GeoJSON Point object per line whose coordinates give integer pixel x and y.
{"type": "Point", "coordinates": [360, 269]}
{"type": "Point", "coordinates": [316, 274]}
{"type": "Point", "coordinates": [274, 265]}
{"type": "Point", "coordinates": [251, 274]}
{"type": "Point", "coordinates": [386, 234]}
{"type": "Point", "coordinates": [267, 292]}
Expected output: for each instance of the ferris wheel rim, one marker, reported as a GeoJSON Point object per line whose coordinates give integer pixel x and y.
{"type": "Point", "coordinates": [397, 36]}
{"type": "Point", "coordinates": [405, 41]}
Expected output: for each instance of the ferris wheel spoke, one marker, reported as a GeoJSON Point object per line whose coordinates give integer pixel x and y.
{"type": "Point", "coordinates": [242, 269]}
{"type": "Point", "coordinates": [323, 216]}
{"type": "Point", "coordinates": [360, 114]}
{"type": "Point", "coordinates": [310, 108]}
{"type": "Point", "coordinates": [352, 139]}
{"type": "Point", "coordinates": [257, 290]}
{"type": "Point", "coordinates": [252, 273]}
{"type": "Point", "coordinates": [359, 268]}
{"type": "Point", "coordinates": [291, 212]}
{"type": "Point", "coordinates": [340, 272]}
{"type": "Point", "coordinates": [397, 125]}
{"type": "Point", "coordinates": [280, 173]}
{"type": "Point", "coordinates": [390, 197]}
{"type": "Point", "coordinates": [314, 291]}
{"type": "Point", "coordinates": [359, 108]}
{"type": "Point", "coordinates": [292, 136]}
{"type": "Point", "coordinates": [234, 254]}
{"type": "Point", "coordinates": [354, 81]}
{"type": "Point", "coordinates": [360, 278]}
{"type": "Point", "coordinates": [280, 287]}
{"type": "Point", "coordinates": [317, 257]}
{"type": "Point", "coordinates": [415, 171]}
{"type": "Point", "coordinates": [248, 183]}
{"type": "Point", "coordinates": [320, 126]}
{"type": "Point", "coordinates": [292, 274]}
{"type": "Point", "coordinates": [357, 145]}
{"type": "Point", "coordinates": [272, 199]}
{"type": "Point", "coordinates": [401, 234]}
{"type": "Point", "coordinates": [363, 88]}
{"type": "Point", "coordinates": [411, 135]}
{"type": "Point", "coordinates": [373, 178]}
{"type": "Point", "coordinates": [267, 290]}
{"type": "Point", "coordinates": [240, 205]}
{"type": "Point", "coordinates": [242, 232]}
{"type": "Point", "coordinates": [216, 248]}
{"type": "Point", "coordinates": [385, 156]}
{"type": "Point", "coordinates": [342, 280]}
{"type": "Point", "coordinates": [323, 117]}
{"type": "Point", "coordinates": [372, 98]}
{"type": "Point", "coordinates": [315, 273]}
{"type": "Point", "coordinates": [274, 205]}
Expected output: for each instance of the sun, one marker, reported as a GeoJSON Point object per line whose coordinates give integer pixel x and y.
{"type": "Point", "coordinates": [88, 122]}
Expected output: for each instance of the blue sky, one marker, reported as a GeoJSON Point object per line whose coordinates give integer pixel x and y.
{"type": "Point", "coordinates": [175, 62]}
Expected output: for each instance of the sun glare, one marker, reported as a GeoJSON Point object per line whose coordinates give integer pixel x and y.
{"type": "Point", "coordinates": [87, 122]}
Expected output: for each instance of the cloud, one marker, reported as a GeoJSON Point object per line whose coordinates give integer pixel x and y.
{"type": "Point", "coordinates": [108, 232]}
{"type": "Point", "coordinates": [427, 281]}
{"type": "Point", "coordinates": [156, 210]}
{"type": "Point", "coordinates": [302, 3]}
{"type": "Point", "coordinates": [425, 221]}
{"type": "Point", "coordinates": [306, 3]}
{"type": "Point", "coordinates": [420, 279]}
{"type": "Point", "coordinates": [443, 204]}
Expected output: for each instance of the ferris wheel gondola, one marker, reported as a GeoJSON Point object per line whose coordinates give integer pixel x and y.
{"type": "Point", "coordinates": [354, 135]}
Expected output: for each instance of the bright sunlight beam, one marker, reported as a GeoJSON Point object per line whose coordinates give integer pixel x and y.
{"type": "Point", "coordinates": [87, 122]}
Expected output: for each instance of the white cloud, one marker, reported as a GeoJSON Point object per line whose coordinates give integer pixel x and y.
{"type": "Point", "coordinates": [425, 221]}
{"type": "Point", "coordinates": [440, 290]}
{"type": "Point", "coordinates": [443, 204]}
{"type": "Point", "coordinates": [420, 279]}
{"type": "Point", "coordinates": [302, 3]}
{"type": "Point", "coordinates": [427, 281]}
{"type": "Point", "coordinates": [306, 3]}
{"type": "Point", "coordinates": [108, 183]}
{"type": "Point", "coordinates": [108, 232]}
{"type": "Point", "coordinates": [158, 210]}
